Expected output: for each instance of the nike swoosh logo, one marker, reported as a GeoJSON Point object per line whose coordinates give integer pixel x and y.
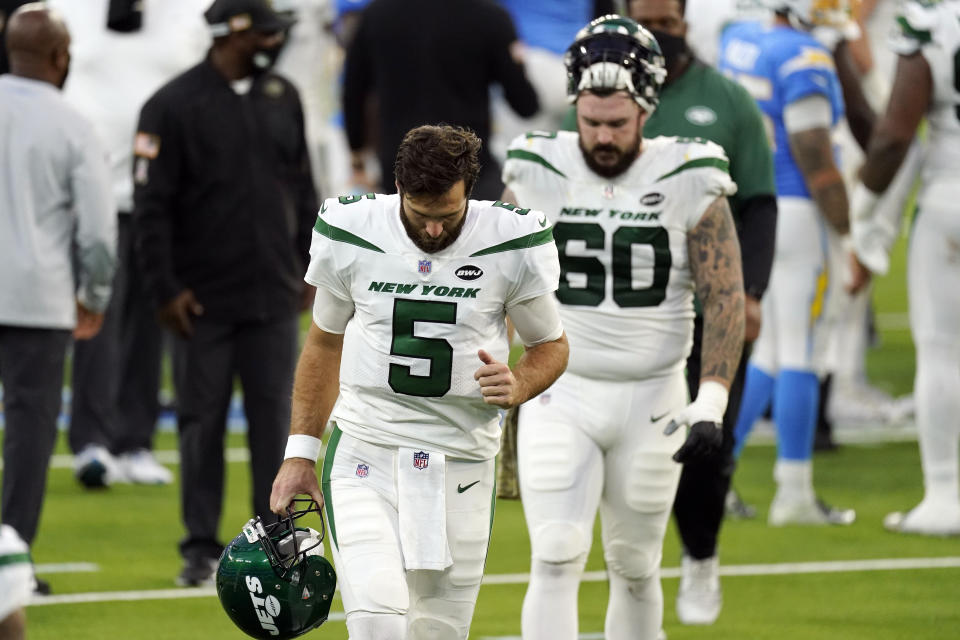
{"type": "Point", "coordinates": [543, 221]}
{"type": "Point", "coordinates": [461, 488]}
{"type": "Point", "coordinates": [659, 417]}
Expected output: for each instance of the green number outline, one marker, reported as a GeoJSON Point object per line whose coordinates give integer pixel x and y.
{"type": "Point", "coordinates": [406, 313]}
{"type": "Point", "coordinates": [624, 238]}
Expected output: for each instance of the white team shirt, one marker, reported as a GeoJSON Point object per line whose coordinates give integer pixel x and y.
{"type": "Point", "coordinates": [934, 31]}
{"type": "Point", "coordinates": [410, 349]}
{"type": "Point", "coordinates": [626, 289]}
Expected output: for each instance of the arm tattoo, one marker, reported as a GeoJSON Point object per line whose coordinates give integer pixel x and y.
{"type": "Point", "coordinates": [813, 153]}
{"type": "Point", "coordinates": [715, 262]}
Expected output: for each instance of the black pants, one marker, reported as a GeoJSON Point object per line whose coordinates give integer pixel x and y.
{"type": "Point", "coordinates": [263, 356]}
{"type": "Point", "coordinates": [703, 487]}
{"type": "Point", "coordinates": [116, 375]}
{"type": "Point", "coordinates": [31, 370]}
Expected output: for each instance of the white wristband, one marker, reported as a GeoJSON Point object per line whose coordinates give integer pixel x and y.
{"type": "Point", "coordinates": [712, 400]}
{"type": "Point", "coordinates": [302, 446]}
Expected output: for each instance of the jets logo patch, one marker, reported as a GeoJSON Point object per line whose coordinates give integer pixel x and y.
{"type": "Point", "coordinates": [652, 199]}
{"type": "Point", "coordinates": [469, 272]}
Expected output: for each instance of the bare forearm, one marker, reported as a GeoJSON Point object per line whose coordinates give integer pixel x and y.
{"type": "Point", "coordinates": [813, 153]}
{"type": "Point", "coordinates": [886, 155]}
{"type": "Point", "coordinates": [715, 263]}
{"type": "Point", "coordinates": [540, 366]}
{"type": "Point", "coordinates": [316, 383]}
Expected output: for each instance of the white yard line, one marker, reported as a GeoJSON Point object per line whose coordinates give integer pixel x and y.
{"type": "Point", "coordinates": [789, 568]}
{"type": "Point", "coordinates": [66, 567]}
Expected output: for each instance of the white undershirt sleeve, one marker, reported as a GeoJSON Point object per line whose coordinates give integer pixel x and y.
{"type": "Point", "coordinates": [810, 112]}
{"type": "Point", "coordinates": [331, 313]}
{"type": "Point", "coordinates": [537, 320]}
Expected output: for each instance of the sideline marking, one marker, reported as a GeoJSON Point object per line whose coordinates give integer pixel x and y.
{"type": "Point", "coordinates": [67, 567]}
{"type": "Point", "coordinates": [788, 568]}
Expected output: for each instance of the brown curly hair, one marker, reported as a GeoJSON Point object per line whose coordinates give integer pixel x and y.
{"type": "Point", "coordinates": [433, 158]}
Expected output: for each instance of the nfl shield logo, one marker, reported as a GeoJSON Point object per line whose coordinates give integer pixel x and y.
{"type": "Point", "coordinates": [423, 266]}
{"type": "Point", "coordinates": [608, 192]}
{"type": "Point", "coordinates": [362, 470]}
{"type": "Point", "coordinates": [420, 459]}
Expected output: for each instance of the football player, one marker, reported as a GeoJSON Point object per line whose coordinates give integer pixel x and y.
{"type": "Point", "coordinates": [409, 328]}
{"type": "Point", "coordinates": [16, 584]}
{"type": "Point", "coordinates": [640, 225]}
{"type": "Point", "coordinates": [793, 78]}
{"type": "Point", "coordinates": [925, 84]}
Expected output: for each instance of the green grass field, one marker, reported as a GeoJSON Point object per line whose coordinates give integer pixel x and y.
{"type": "Point", "coordinates": [131, 534]}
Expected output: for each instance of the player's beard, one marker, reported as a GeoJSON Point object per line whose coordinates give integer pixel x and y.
{"type": "Point", "coordinates": [624, 159]}
{"type": "Point", "coordinates": [426, 242]}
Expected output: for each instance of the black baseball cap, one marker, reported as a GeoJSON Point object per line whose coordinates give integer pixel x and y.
{"type": "Point", "coordinates": [229, 16]}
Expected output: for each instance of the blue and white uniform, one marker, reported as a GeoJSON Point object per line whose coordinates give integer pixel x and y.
{"type": "Point", "coordinates": [780, 67]}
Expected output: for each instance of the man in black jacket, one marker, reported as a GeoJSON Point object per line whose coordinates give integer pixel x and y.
{"type": "Point", "coordinates": [427, 62]}
{"type": "Point", "coordinates": [224, 206]}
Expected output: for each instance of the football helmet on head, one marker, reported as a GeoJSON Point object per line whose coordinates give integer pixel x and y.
{"type": "Point", "coordinates": [273, 580]}
{"type": "Point", "coordinates": [614, 53]}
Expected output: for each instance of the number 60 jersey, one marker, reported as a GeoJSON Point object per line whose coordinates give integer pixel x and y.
{"type": "Point", "coordinates": [410, 349]}
{"type": "Point", "coordinates": [626, 290]}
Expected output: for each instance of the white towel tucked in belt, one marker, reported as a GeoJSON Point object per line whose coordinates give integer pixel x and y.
{"type": "Point", "coordinates": [422, 510]}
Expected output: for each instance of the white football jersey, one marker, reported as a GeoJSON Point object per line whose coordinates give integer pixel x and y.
{"type": "Point", "coordinates": [626, 289]}
{"type": "Point", "coordinates": [933, 29]}
{"type": "Point", "coordinates": [410, 349]}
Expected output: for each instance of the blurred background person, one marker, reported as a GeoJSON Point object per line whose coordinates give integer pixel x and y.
{"type": "Point", "coordinates": [699, 102]}
{"type": "Point", "coordinates": [224, 206]}
{"type": "Point", "coordinates": [58, 245]}
{"type": "Point", "coordinates": [544, 30]}
{"type": "Point", "coordinates": [122, 52]}
{"type": "Point", "coordinates": [397, 79]}
{"type": "Point", "coordinates": [924, 85]}
{"type": "Point", "coordinates": [793, 78]}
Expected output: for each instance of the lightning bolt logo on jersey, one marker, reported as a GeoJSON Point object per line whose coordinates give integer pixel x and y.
{"type": "Point", "coordinates": [419, 319]}
{"type": "Point", "coordinates": [778, 65]}
{"type": "Point", "coordinates": [626, 290]}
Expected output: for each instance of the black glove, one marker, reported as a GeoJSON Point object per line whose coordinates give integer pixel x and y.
{"type": "Point", "coordinates": [703, 441]}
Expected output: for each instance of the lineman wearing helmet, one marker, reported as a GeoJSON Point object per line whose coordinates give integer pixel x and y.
{"type": "Point", "coordinates": [641, 225]}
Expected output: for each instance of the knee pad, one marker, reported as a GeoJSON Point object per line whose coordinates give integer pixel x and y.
{"type": "Point", "coordinates": [632, 562]}
{"type": "Point", "coordinates": [559, 542]}
{"type": "Point", "coordinates": [434, 629]}
{"type": "Point", "coordinates": [376, 626]}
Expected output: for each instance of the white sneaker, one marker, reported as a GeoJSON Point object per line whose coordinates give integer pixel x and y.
{"type": "Point", "coordinates": [140, 467]}
{"type": "Point", "coordinates": [807, 512]}
{"type": "Point", "coordinates": [95, 468]}
{"type": "Point", "coordinates": [700, 598]}
{"type": "Point", "coordinates": [927, 518]}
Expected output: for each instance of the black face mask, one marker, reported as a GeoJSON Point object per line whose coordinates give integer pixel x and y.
{"type": "Point", "coordinates": [265, 59]}
{"type": "Point", "coordinates": [674, 48]}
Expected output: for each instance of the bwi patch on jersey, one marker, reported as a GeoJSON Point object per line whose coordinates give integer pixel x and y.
{"type": "Point", "coordinates": [421, 459]}
{"type": "Point", "coordinates": [424, 266]}
{"type": "Point", "coordinates": [363, 470]}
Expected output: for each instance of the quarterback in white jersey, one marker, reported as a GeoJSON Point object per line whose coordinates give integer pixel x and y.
{"type": "Point", "coordinates": [925, 84]}
{"type": "Point", "coordinates": [409, 328]}
{"type": "Point", "coordinates": [640, 225]}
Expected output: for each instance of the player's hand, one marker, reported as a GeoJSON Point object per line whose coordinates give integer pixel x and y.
{"type": "Point", "coordinates": [859, 275]}
{"type": "Point", "coordinates": [753, 318]}
{"type": "Point", "coordinates": [88, 323]}
{"type": "Point", "coordinates": [704, 416]}
{"type": "Point", "coordinates": [703, 441]}
{"type": "Point", "coordinates": [296, 476]}
{"type": "Point", "coordinates": [498, 386]}
{"type": "Point", "coordinates": [177, 313]}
